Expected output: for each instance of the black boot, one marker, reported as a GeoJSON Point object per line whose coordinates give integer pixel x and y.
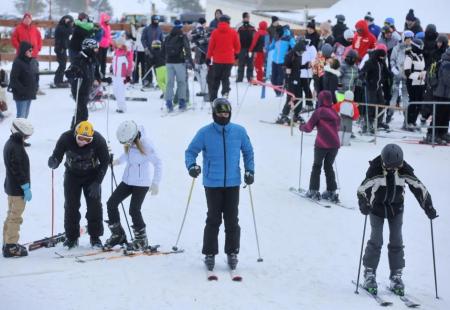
{"type": "Point", "coordinates": [397, 285]}
{"type": "Point", "coordinates": [140, 241]}
{"type": "Point", "coordinates": [70, 243]}
{"type": "Point", "coordinates": [96, 242]}
{"type": "Point", "coordinates": [118, 236]}
{"type": "Point", "coordinates": [209, 262]}
{"type": "Point", "coordinates": [14, 250]}
{"type": "Point", "coordinates": [232, 260]}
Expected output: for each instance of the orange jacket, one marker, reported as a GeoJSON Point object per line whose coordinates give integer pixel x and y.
{"type": "Point", "coordinates": [337, 108]}
{"type": "Point", "coordinates": [29, 33]}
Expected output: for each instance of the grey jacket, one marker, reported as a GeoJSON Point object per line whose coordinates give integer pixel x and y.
{"type": "Point", "coordinates": [443, 87]}
{"type": "Point", "coordinates": [349, 75]}
{"type": "Point", "coordinates": [398, 60]}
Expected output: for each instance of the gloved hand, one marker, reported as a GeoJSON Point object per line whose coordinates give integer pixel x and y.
{"type": "Point", "coordinates": [107, 80]}
{"type": "Point", "coordinates": [154, 189]}
{"type": "Point", "coordinates": [26, 191]}
{"type": "Point", "coordinates": [127, 80]}
{"type": "Point", "coordinates": [94, 190]}
{"type": "Point", "coordinates": [195, 170]}
{"type": "Point", "coordinates": [208, 62]}
{"type": "Point", "coordinates": [53, 162]}
{"type": "Point", "coordinates": [288, 71]}
{"type": "Point", "coordinates": [431, 212]}
{"type": "Point", "coordinates": [364, 205]}
{"type": "Point", "coordinates": [73, 73]}
{"type": "Point", "coordinates": [249, 177]}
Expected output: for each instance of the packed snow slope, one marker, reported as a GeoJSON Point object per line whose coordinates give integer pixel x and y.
{"type": "Point", "coordinates": [310, 253]}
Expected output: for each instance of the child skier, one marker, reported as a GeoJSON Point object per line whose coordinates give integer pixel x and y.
{"type": "Point", "coordinates": [326, 147]}
{"type": "Point", "coordinates": [122, 65]}
{"type": "Point", "coordinates": [348, 111]}
{"type": "Point", "coordinates": [381, 195]}
{"type": "Point", "coordinates": [139, 178]}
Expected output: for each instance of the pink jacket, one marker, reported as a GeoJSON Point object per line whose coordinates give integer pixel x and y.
{"type": "Point", "coordinates": [129, 55]}
{"type": "Point", "coordinates": [106, 39]}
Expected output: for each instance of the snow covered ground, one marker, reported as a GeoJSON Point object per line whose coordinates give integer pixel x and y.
{"type": "Point", "coordinates": [310, 253]}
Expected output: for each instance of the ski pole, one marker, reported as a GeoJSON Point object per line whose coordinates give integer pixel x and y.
{"type": "Point", "coordinates": [175, 247]}
{"type": "Point", "coordinates": [360, 255]}
{"type": "Point", "coordinates": [337, 174]}
{"type": "Point", "coordinates": [300, 168]}
{"type": "Point", "coordinates": [254, 224]}
{"type": "Point", "coordinates": [434, 259]}
{"type": "Point", "coordinates": [53, 202]}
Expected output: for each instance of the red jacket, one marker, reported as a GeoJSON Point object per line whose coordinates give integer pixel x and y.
{"type": "Point", "coordinates": [364, 42]}
{"type": "Point", "coordinates": [224, 44]}
{"type": "Point", "coordinates": [27, 33]}
{"type": "Point", "coordinates": [262, 31]}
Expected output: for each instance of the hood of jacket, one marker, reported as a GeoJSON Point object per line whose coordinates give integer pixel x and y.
{"type": "Point", "coordinates": [361, 24]}
{"type": "Point", "coordinates": [263, 25]}
{"type": "Point", "coordinates": [103, 18]}
{"type": "Point", "coordinates": [23, 48]}
{"type": "Point", "coordinates": [62, 21]}
{"type": "Point", "coordinates": [223, 27]}
{"type": "Point", "coordinates": [325, 99]}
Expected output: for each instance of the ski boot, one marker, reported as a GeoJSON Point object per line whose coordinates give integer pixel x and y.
{"type": "Point", "coordinates": [209, 262]}
{"type": "Point", "coordinates": [331, 196]}
{"type": "Point", "coordinates": [232, 260]}
{"type": "Point", "coordinates": [70, 243]}
{"type": "Point", "coordinates": [313, 194]}
{"type": "Point", "coordinates": [140, 241]}
{"type": "Point", "coordinates": [118, 236]}
{"type": "Point", "coordinates": [182, 105]}
{"type": "Point", "coordinates": [370, 282]}
{"type": "Point", "coordinates": [383, 126]}
{"type": "Point", "coordinates": [14, 250]}
{"type": "Point", "coordinates": [96, 243]}
{"type": "Point", "coordinates": [397, 286]}
{"type": "Point", "coordinates": [298, 119]}
{"type": "Point", "coordinates": [283, 120]}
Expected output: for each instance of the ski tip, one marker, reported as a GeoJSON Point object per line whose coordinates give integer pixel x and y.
{"type": "Point", "coordinates": [237, 278]}
{"type": "Point", "coordinates": [213, 278]}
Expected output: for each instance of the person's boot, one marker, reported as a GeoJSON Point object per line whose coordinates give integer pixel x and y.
{"type": "Point", "coordinates": [70, 243]}
{"type": "Point", "coordinates": [232, 260]}
{"type": "Point", "coordinates": [169, 106]}
{"type": "Point", "coordinates": [182, 105]}
{"type": "Point", "coordinates": [96, 242]}
{"type": "Point", "coordinates": [313, 194]}
{"type": "Point", "coordinates": [14, 250]}
{"type": "Point", "coordinates": [118, 236]}
{"type": "Point", "coordinates": [370, 281]}
{"type": "Point", "coordinates": [397, 286]}
{"type": "Point", "coordinates": [210, 261]}
{"type": "Point", "coordinates": [283, 119]}
{"type": "Point", "coordinates": [140, 241]}
{"type": "Point", "coordinates": [331, 196]}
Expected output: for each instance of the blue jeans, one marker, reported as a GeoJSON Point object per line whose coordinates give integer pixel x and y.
{"type": "Point", "coordinates": [23, 108]}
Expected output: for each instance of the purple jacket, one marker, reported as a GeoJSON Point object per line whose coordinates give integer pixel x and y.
{"type": "Point", "coordinates": [327, 121]}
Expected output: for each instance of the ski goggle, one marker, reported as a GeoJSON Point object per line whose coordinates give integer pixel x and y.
{"type": "Point", "coordinates": [222, 108]}
{"type": "Point", "coordinates": [86, 139]}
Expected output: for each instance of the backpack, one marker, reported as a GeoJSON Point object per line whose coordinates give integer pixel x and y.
{"type": "Point", "coordinates": [174, 46]}
{"type": "Point", "coordinates": [346, 109]}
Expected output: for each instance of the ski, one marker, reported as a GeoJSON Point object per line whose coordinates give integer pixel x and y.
{"type": "Point", "coordinates": [136, 254]}
{"type": "Point", "coordinates": [422, 142]}
{"type": "Point", "coordinates": [92, 253]}
{"type": "Point", "coordinates": [301, 194]}
{"type": "Point", "coordinates": [406, 299]}
{"type": "Point", "coordinates": [211, 276]}
{"type": "Point", "coordinates": [49, 242]}
{"type": "Point", "coordinates": [274, 123]}
{"type": "Point", "coordinates": [235, 276]}
{"type": "Point", "coordinates": [378, 299]}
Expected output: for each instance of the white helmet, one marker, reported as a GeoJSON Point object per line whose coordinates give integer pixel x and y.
{"type": "Point", "coordinates": [22, 126]}
{"type": "Point", "coordinates": [127, 132]}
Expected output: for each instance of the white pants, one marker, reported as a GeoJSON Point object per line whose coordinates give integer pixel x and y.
{"type": "Point", "coordinates": [200, 72]}
{"type": "Point", "coordinates": [120, 64]}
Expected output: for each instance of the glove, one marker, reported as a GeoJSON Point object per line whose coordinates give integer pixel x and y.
{"type": "Point", "coordinates": [127, 80]}
{"type": "Point", "coordinates": [73, 73]}
{"type": "Point", "coordinates": [94, 190]}
{"type": "Point", "coordinates": [249, 177]}
{"type": "Point", "coordinates": [53, 162]}
{"type": "Point", "coordinates": [154, 189]}
{"type": "Point", "coordinates": [107, 80]}
{"type": "Point", "coordinates": [26, 191]}
{"type": "Point", "coordinates": [288, 71]}
{"type": "Point", "coordinates": [208, 62]}
{"type": "Point", "coordinates": [194, 171]}
{"type": "Point", "coordinates": [431, 212]}
{"type": "Point", "coordinates": [364, 205]}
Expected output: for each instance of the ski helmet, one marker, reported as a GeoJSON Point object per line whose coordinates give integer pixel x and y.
{"type": "Point", "coordinates": [89, 44]}
{"type": "Point", "coordinates": [22, 126]}
{"type": "Point", "coordinates": [85, 129]}
{"type": "Point", "coordinates": [417, 45]}
{"type": "Point", "coordinates": [327, 50]}
{"type": "Point", "coordinates": [392, 156]}
{"type": "Point", "coordinates": [221, 105]}
{"type": "Point", "coordinates": [127, 132]}
{"type": "Point", "coordinates": [389, 21]}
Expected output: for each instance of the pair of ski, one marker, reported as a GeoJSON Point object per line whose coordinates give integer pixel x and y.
{"type": "Point", "coordinates": [49, 242]}
{"type": "Point", "coordinates": [212, 276]}
{"type": "Point", "coordinates": [384, 303]}
{"type": "Point", "coordinates": [322, 202]}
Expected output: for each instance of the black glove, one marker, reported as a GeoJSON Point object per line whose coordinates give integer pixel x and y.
{"type": "Point", "coordinates": [94, 190]}
{"type": "Point", "coordinates": [364, 205]}
{"type": "Point", "coordinates": [208, 62]}
{"type": "Point", "coordinates": [107, 80]}
{"type": "Point", "coordinates": [127, 80]}
{"type": "Point", "coordinates": [195, 171]}
{"type": "Point", "coordinates": [431, 212]}
{"type": "Point", "coordinates": [73, 73]}
{"type": "Point", "coordinates": [53, 162]}
{"type": "Point", "coordinates": [249, 177]}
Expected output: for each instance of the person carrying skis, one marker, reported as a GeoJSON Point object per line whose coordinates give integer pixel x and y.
{"type": "Point", "coordinates": [381, 196]}
{"type": "Point", "coordinates": [141, 175]}
{"type": "Point", "coordinates": [326, 147]}
{"type": "Point", "coordinates": [17, 185]}
{"type": "Point", "coordinates": [87, 160]}
{"type": "Point", "coordinates": [221, 143]}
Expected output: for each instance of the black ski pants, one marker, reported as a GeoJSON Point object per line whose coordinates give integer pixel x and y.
{"type": "Point", "coordinates": [327, 157]}
{"type": "Point", "coordinates": [304, 84]}
{"type": "Point", "coordinates": [415, 93]}
{"type": "Point", "coordinates": [140, 66]}
{"type": "Point", "coordinates": [220, 75]}
{"type": "Point", "coordinates": [73, 186]}
{"type": "Point", "coordinates": [137, 198]}
{"type": "Point", "coordinates": [82, 101]}
{"type": "Point", "coordinates": [293, 87]}
{"type": "Point", "coordinates": [245, 61]}
{"type": "Point", "coordinates": [61, 58]}
{"type": "Point", "coordinates": [442, 117]}
{"type": "Point", "coordinates": [222, 201]}
{"type": "Point", "coordinates": [101, 56]}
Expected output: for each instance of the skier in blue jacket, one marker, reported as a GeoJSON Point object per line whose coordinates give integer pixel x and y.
{"type": "Point", "coordinates": [221, 143]}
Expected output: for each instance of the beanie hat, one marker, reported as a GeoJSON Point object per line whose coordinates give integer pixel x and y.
{"type": "Point", "coordinates": [245, 15]}
{"type": "Point", "coordinates": [327, 50]}
{"type": "Point", "coordinates": [369, 17]}
{"type": "Point", "coordinates": [178, 24]}
{"type": "Point", "coordinates": [27, 14]}
{"type": "Point", "coordinates": [340, 18]}
{"type": "Point", "coordinates": [348, 34]}
{"type": "Point", "coordinates": [410, 16]}
{"type": "Point", "coordinates": [224, 18]}
{"type": "Point", "coordinates": [275, 19]}
{"type": "Point", "coordinates": [311, 24]}
{"type": "Point", "coordinates": [201, 20]}
{"type": "Point", "coordinates": [349, 96]}
{"type": "Point", "coordinates": [83, 16]}
{"type": "Point", "coordinates": [408, 34]}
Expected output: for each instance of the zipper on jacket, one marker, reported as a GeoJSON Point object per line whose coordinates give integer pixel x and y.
{"type": "Point", "coordinates": [139, 167]}
{"type": "Point", "coordinates": [224, 158]}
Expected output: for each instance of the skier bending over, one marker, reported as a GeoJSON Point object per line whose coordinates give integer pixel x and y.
{"type": "Point", "coordinates": [381, 195]}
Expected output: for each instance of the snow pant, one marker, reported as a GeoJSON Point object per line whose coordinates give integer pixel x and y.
{"type": "Point", "coordinates": [293, 87]}
{"type": "Point", "coordinates": [139, 66]}
{"type": "Point", "coordinates": [73, 185]}
{"type": "Point", "coordinates": [220, 74]}
{"type": "Point", "coordinates": [277, 77]}
{"type": "Point", "coordinates": [161, 77]}
{"type": "Point", "coordinates": [101, 56]}
{"type": "Point", "coordinates": [395, 247]}
{"type": "Point", "coordinates": [148, 71]}
{"type": "Point", "coordinates": [187, 95]}
{"type": "Point", "coordinates": [11, 226]}
{"type": "Point", "coordinates": [244, 60]}
{"type": "Point", "coordinates": [304, 84]}
{"type": "Point", "coordinates": [327, 157]}
{"type": "Point", "coordinates": [176, 71]}
{"type": "Point", "coordinates": [22, 108]}
{"type": "Point", "coordinates": [398, 85]}
{"type": "Point", "coordinates": [137, 198]}
{"type": "Point", "coordinates": [373, 96]}
{"type": "Point", "coordinates": [441, 118]}
{"type": "Point", "coordinates": [415, 93]}
{"type": "Point", "coordinates": [345, 131]}
{"type": "Point", "coordinates": [201, 71]}
{"type": "Point", "coordinates": [258, 63]}
{"type": "Point", "coordinates": [222, 201]}
{"type": "Point", "coordinates": [119, 65]}
{"type": "Point", "coordinates": [61, 58]}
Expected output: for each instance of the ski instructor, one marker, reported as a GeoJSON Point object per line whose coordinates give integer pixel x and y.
{"type": "Point", "coordinates": [221, 143]}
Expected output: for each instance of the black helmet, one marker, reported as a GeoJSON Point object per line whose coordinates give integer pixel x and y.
{"type": "Point", "coordinates": [417, 45]}
{"type": "Point", "coordinates": [221, 105]}
{"type": "Point", "coordinates": [300, 46]}
{"type": "Point", "coordinates": [392, 156]}
{"type": "Point", "coordinates": [351, 57]}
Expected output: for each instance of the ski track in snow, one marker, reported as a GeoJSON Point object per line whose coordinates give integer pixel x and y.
{"type": "Point", "coordinates": [310, 253]}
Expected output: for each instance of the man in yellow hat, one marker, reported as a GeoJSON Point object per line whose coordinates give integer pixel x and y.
{"type": "Point", "coordinates": [87, 160]}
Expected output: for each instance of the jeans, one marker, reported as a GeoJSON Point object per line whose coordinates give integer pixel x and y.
{"type": "Point", "coordinates": [23, 108]}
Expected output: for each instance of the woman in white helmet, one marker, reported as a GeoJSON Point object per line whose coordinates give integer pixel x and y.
{"type": "Point", "coordinates": [142, 174]}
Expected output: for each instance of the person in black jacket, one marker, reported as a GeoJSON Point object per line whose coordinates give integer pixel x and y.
{"type": "Point", "coordinates": [23, 83]}
{"type": "Point", "coordinates": [331, 77]}
{"type": "Point", "coordinates": [17, 185]}
{"type": "Point", "coordinates": [246, 32]}
{"type": "Point", "coordinates": [311, 33]}
{"type": "Point", "coordinates": [200, 38]}
{"type": "Point", "coordinates": [381, 195]}
{"type": "Point", "coordinates": [83, 29]}
{"type": "Point", "coordinates": [339, 29]}
{"type": "Point", "coordinates": [87, 160]}
{"type": "Point", "coordinates": [429, 46]}
{"type": "Point", "coordinates": [63, 32]}
{"type": "Point", "coordinates": [83, 74]}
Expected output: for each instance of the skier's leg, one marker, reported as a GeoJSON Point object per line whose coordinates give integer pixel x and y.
{"type": "Point", "coordinates": [168, 96]}
{"type": "Point", "coordinates": [249, 66]}
{"type": "Point", "coordinates": [214, 200]}
{"type": "Point", "coordinates": [373, 249]}
{"type": "Point", "coordinates": [395, 247]}
{"type": "Point", "coordinates": [120, 193]}
{"type": "Point", "coordinates": [72, 196]}
{"type": "Point", "coordinates": [319, 155]}
{"type": "Point", "coordinates": [231, 220]}
{"type": "Point", "coordinates": [225, 78]}
{"type": "Point", "coordinates": [11, 227]}
{"type": "Point", "coordinates": [94, 213]}
{"type": "Point", "coordinates": [241, 65]}
{"type": "Point", "coordinates": [137, 198]}
{"type": "Point", "coordinates": [329, 171]}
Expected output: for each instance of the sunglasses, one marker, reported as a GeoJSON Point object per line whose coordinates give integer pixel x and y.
{"type": "Point", "coordinates": [84, 139]}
